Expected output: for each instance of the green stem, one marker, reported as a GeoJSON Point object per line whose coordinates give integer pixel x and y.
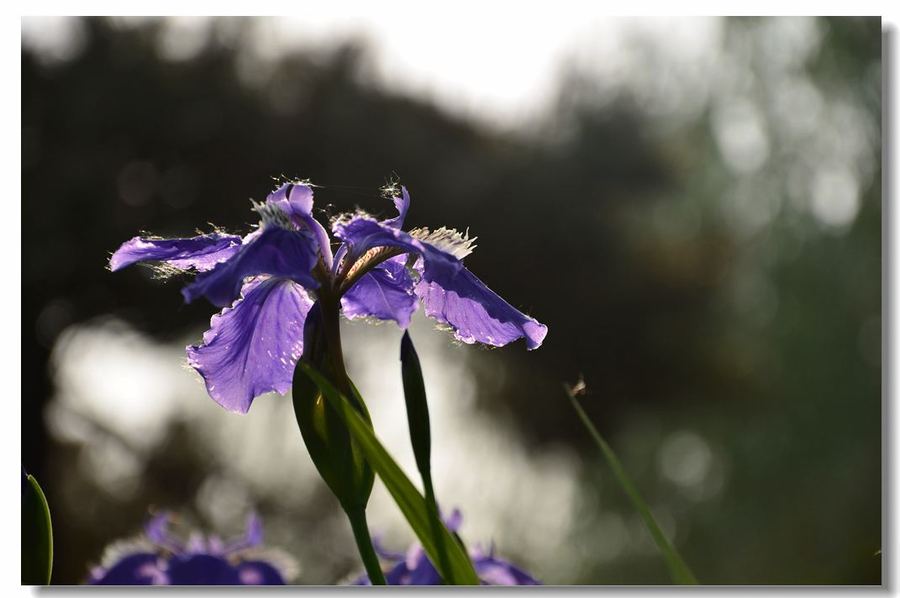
{"type": "Point", "coordinates": [331, 321]}
{"type": "Point", "coordinates": [364, 543]}
{"type": "Point", "coordinates": [678, 568]}
{"type": "Point", "coordinates": [331, 325]}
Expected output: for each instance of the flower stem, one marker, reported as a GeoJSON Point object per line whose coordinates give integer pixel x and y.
{"type": "Point", "coordinates": [331, 324]}
{"type": "Point", "coordinates": [364, 543]}
{"type": "Point", "coordinates": [356, 512]}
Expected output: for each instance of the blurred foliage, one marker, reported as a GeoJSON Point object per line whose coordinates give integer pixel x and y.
{"type": "Point", "coordinates": [608, 221]}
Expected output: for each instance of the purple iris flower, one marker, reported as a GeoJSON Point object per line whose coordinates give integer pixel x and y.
{"type": "Point", "coordinates": [268, 280]}
{"type": "Point", "coordinates": [159, 558]}
{"type": "Point", "coordinates": [413, 568]}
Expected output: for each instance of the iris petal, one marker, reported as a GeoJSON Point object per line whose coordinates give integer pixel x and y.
{"type": "Point", "coordinates": [451, 293]}
{"type": "Point", "coordinates": [274, 251]}
{"type": "Point", "coordinates": [497, 572]}
{"type": "Point", "coordinates": [385, 293]}
{"type": "Point", "coordinates": [294, 199]}
{"type": "Point", "coordinates": [259, 573]}
{"type": "Point", "coordinates": [202, 570]}
{"type": "Point", "coordinates": [454, 521]}
{"type": "Point", "coordinates": [252, 347]}
{"type": "Point", "coordinates": [475, 312]}
{"type": "Point", "coordinates": [157, 530]}
{"type": "Point", "coordinates": [200, 253]}
{"type": "Point", "coordinates": [423, 574]}
{"type": "Point", "coordinates": [402, 205]}
{"type": "Point", "coordinates": [253, 535]}
{"type": "Point", "coordinates": [141, 568]}
{"type": "Point", "coordinates": [362, 233]}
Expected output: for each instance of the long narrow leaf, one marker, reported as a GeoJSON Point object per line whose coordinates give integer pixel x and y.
{"type": "Point", "coordinates": [680, 572]}
{"type": "Point", "coordinates": [459, 570]}
{"type": "Point", "coordinates": [37, 534]}
{"type": "Point", "coordinates": [420, 432]}
{"type": "Point", "coordinates": [416, 406]}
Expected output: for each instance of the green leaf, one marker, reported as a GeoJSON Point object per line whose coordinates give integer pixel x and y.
{"type": "Point", "coordinates": [416, 406]}
{"type": "Point", "coordinates": [338, 460]}
{"type": "Point", "coordinates": [37, 535]}
{"type": "Point", "coordinates": [331, 448]}
{"type": "Point", "coordinates": [420, 434]}
{"type": "Point", "coordinates": [459, 570]}
{"type": "Point", "coordinates": [678, 569]}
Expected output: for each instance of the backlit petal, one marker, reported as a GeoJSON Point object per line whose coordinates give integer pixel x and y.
{"type": "Point", "coordinates": [252, 347]}
{"type": "Point", "coordinates": [385, 293]}
{"type": "Point", "coordinates": [451, 293]}
{"type": "Point", "coordinates": [200, 253]}
{"type": "Point", "coordinates": [273, 251]}
{"type": "Point", "coordinates": [401, 202]}
{"type": "Point", "coordinates": [475, 312]}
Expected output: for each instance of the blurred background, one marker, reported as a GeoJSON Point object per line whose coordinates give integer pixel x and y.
{"type": "Point", "coordinates": [693, 207]}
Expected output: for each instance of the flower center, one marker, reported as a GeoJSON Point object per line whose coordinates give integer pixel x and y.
{"type": "Point", "coordinates": [354, 271]}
